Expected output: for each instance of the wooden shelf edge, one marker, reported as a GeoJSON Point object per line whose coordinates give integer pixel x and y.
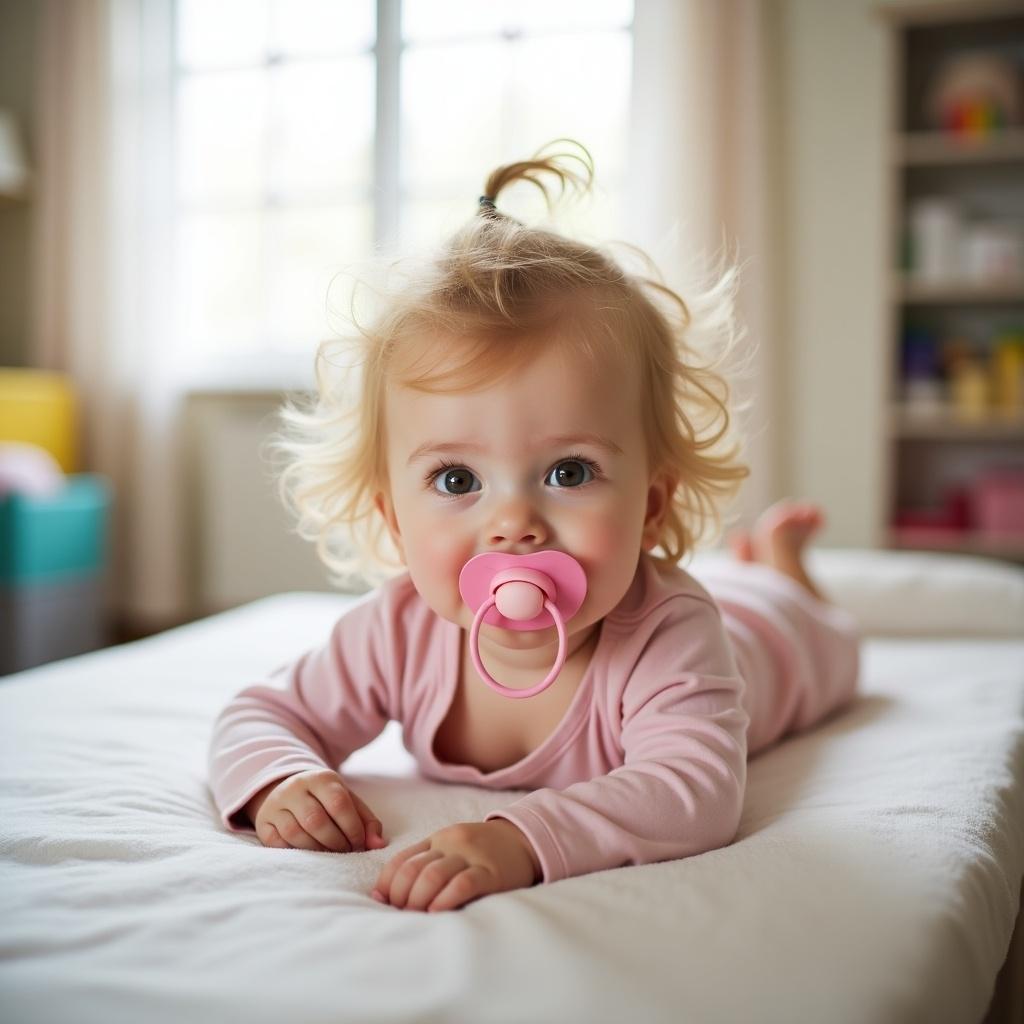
{"type": "Point", "coordinates": [913, 149]}
{"type": "Point", "coordinates": [906, 290]}
{"type": "Point", "coordinates": [921, 12]}
{"type": "Point", "coordinates": [948, 426]}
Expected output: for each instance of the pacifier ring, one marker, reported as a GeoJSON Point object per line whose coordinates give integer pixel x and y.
{"type": "Point", "coordinates": [474, 635]}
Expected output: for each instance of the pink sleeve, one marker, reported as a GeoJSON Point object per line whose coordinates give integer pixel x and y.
{"type": "Point", "coordinates": [680, 789]}
{"type": "Point", "coordinates": [311, 713]}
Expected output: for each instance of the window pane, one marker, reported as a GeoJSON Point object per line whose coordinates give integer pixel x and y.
{"type": "Point", "coordinates": [545, 87]}
{"type": "Point", "coordinates": [324, 136]}
{"type": "Point", "coordinates": [441, 19]}
{"type": "Point", "coordinates": [575, 86]}
{"type": "Point", "coordinates": [541, 15]}
{"type": "Point", "coordinates": [221, 131]}
{"type": "Point", "coordinates": [595, 218]}
{"type": "Point", "coordinates": [221, 33]}
{"type": "Point", "coordinates": [310, 253]}
{"type": "Point", "coordinates": [307, 27]}
{"type": "Point", "coordinates": [452, 111]}
{"type": "Point", "coordinates": [426, 223]}
{"type": "Point", "coordinates": [220, 270]}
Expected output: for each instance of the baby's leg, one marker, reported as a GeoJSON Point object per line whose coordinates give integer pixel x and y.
{"type": "Point", "coordinates": [798, 653]}
{"type": "Point", "coordinates": [778, 540]}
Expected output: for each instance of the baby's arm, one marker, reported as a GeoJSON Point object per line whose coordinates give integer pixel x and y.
{"type": "Point", "coordinates": [680, 789]}
{"type": "Point", "coordinates": [329, 702]}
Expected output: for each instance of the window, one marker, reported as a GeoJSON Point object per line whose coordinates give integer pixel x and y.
{"type": "Point", "coordinates": [310, 133]}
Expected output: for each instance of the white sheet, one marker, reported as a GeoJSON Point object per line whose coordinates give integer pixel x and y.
{"type": "Point", "coordinates": [876, 876]}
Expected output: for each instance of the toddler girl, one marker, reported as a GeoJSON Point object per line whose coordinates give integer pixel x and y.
{"type": "Point", "coordinates": [525, 394]}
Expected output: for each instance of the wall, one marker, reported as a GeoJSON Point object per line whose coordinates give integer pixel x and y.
{"type": "Point", "coordinates": [242, 544]}
{"type": "Point", "coordinates": [833, 248]}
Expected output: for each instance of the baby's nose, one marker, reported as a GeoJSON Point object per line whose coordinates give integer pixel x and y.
{"type": "Point", "coordinates": [514, 538]}
{"type": "Point", "coordinates": [517, 523]}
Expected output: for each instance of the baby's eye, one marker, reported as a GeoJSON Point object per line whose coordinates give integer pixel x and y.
{"type": "Point", "coordinates": [458, 478]}
{"type": "Point", "coordinates": [570, 477]}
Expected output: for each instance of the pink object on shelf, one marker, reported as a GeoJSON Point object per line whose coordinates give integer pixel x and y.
{"type": "Point", "coordinates": [939, 520]}
{"type": "Point", "coordinates": [998, 499]}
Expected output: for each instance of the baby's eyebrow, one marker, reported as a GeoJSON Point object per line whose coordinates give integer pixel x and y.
{"type": "Point", "coordinates": [454, 447]}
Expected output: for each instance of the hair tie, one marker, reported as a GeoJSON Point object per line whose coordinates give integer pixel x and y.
{"type": "Point", "coordinates": [488, 201]}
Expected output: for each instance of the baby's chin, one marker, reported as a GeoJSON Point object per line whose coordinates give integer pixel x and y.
{"type": "Point", "coordinates": [519, 639]}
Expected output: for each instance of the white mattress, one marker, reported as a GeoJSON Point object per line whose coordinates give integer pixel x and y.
{"type": "Point", "coordinates": [876, 876]}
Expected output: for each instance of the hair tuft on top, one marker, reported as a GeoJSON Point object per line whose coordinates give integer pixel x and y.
{"type": "Point", "coordinates": [502, 287]}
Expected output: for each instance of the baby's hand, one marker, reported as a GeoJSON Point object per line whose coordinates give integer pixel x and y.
{"type": "Point", "coordinates": [458, 864]}
{"type": "Point", "coordinates": [314, 810]}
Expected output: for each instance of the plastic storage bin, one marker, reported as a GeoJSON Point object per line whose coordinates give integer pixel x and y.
{"type": "Point", "coordinates": [53, 573]}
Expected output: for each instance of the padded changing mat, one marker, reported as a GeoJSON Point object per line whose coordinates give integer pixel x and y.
{"type": "Point", "coordinates": [875, 878]}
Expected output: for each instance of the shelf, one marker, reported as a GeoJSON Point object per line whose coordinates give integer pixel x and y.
{"type": "Point", "coordinates": [911, 13]}
{"type": "Point", "coordinates": [918, 149]}
{"type": "Point", "coordinates": [948, 426]}
{"type": "Point", "coordinates": [956, 542]}
{"type": "Point", "coordinates": [913, 292]}
{"type": "Point", "coordinates": [936, 454]}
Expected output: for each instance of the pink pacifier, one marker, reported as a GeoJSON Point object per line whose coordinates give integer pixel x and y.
{"type": "Point", "coordinates": [522, 592]}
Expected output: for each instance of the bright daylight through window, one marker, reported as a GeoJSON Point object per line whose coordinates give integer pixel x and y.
{"type": "Point", "coordinates": [291, 164]}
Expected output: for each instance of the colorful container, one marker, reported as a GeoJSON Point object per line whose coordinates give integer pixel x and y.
{"type": "Point", "coordinates": [39, 407]}
{"type": "Point", "coordinates": [53, 573]}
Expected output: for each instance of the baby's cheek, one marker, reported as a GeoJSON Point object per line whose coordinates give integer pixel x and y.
{"type": "Point", "coordinates": [438, 563]}
{"type": "Point", "coordinates": [604, 538]}
{"type": "Point", "coordinates": [609, 553]}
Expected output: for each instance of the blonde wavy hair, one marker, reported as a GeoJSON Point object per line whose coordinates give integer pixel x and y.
{"type": "Point", "coordinates": [502, 287]}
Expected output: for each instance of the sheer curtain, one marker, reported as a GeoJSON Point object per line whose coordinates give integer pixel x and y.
{"type": "Point", "coordinates": [699, 178]}
{"type": "Point", "coordinates": [102, 273]}
{"type": "Point", "coordinates": [702, 177]}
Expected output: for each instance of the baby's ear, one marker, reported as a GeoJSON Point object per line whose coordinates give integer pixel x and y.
{"type": "Point", "coordinates": [387, 512]}
{"type": "Point", "coordinates": [659, 497]}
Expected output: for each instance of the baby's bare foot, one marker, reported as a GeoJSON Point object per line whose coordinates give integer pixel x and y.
{"type": "Point", "coordinates": [778, 539]}
{"type": "Point", "coordinates": [742, 548]}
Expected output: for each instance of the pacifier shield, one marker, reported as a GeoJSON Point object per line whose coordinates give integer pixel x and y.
{"type": "Point", "coordinates": [564, 571]}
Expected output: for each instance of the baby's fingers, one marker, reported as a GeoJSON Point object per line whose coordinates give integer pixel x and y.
{"type": "Point", "coordinates": [340, 804]}
{"type": "Point", "coordinates": [374, 829]}
{"type": "Point", "coordinates": [463, 887]}
{"type": "Point", "coordinates": [318, 822]}
{"type": "Point", "coordinates": [383, 884]}
{"type": "Point", "coordinates": [434, 877]}
{"type": "Point", "coordinates": [291, 831]}
{"type": "Point", "coordinates": [409, 874]}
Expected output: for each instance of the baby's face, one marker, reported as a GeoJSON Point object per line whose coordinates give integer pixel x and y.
{"type": "Point", "coordinates": [527, 471]}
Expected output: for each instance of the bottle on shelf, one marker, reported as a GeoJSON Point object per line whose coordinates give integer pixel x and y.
{"type": "Point", "coordinates": [1008, 375]}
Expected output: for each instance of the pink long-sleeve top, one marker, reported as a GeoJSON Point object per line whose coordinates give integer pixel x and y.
{"type": "Point", "coordinates": [648, 763]}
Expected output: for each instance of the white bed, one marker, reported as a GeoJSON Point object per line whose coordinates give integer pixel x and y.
{"type": "Point", "coordinates": [876, 876]}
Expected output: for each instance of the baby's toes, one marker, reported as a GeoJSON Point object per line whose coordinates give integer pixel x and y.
{"type": "Point", "coordinates": [812, 516]}
{"type": "Point", "coordinates": [741, 545]}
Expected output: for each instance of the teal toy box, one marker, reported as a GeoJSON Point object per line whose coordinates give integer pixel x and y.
{"type": "Point", "coordinates": [53, 572]}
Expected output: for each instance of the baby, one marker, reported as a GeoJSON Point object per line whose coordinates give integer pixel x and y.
{"type": "Point", "coordinates": [526, 394]}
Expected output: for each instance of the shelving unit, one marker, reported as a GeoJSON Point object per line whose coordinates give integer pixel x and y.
{"type": "Point", "coordinates": [935, 458]}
